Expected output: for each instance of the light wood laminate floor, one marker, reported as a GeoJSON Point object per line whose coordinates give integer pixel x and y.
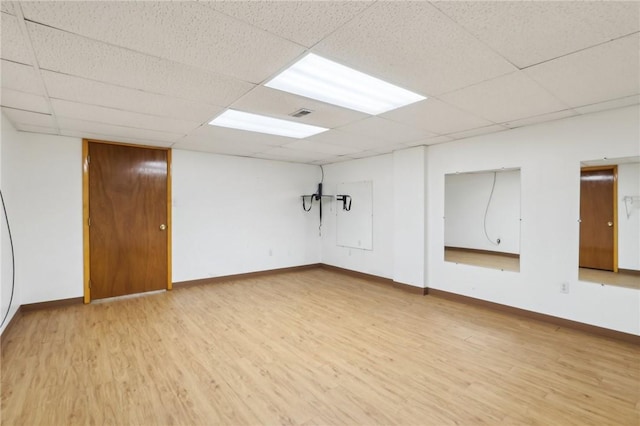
{"type": "Point", "coordinates": [313, 347]}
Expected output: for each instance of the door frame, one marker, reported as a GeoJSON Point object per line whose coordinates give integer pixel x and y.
{"type": "Point", "coordinates": [86, 253]}
{"type": "Point", "coordinates": [614, 168]}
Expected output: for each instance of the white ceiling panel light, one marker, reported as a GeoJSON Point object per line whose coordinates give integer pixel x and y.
{"type": "Point", "coordinates": [318, 78]}
{"type": "Point", "coordinates": [260, 123]}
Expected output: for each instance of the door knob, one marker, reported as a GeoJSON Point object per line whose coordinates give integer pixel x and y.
{"type": "Point", "coordinates": [609, 223]}
{"type": "Point", "coordinates": [163, 227]}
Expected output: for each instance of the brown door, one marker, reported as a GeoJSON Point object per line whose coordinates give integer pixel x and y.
{"type": "Point", "coordinates": [597, 218]}
{"type": "Point", "coordinates": [128, 235]}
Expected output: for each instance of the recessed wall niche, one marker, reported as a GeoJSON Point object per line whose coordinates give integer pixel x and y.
{"type": "Point", "coordinates": [482, 219]}
{"type": "Point", "coordinates": [609, 245]}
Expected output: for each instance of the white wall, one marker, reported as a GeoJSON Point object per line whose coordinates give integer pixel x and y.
{"type": "Point", "coordinates": [549, 156]}
{"type": "Point", "coordinates": [379, 260]}
{"type": "Point", "coordinates": [398, 216]}
{"type": "Point", "coordinates": [409, 215]}
{"type": "Point", "coordinates": [8, 306]}
{"type": "Point", "coordinates": [629, 227]}
{"type": "Point", "coordinates": [466, 199]}
{"type": "Point", "coordinates": [43, 182]}
{"type": "Point", "coordinates": [233, 215]}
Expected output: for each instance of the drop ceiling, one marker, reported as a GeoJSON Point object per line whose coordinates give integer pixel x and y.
{"type": "Point", "coordinates": [155, 73]}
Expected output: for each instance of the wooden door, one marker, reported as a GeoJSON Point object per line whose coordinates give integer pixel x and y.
{"type": "Point", "coordinates": [598, 218]}
{"type": "Point", "coordinates": [128, 219]}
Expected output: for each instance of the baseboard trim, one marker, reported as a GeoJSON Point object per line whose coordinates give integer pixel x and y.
{"type": "Point", "coordinates": [562, 322]}
{"type": "Point", "coordinates": [52, 304]}
{"type": "Point", "coordinates": [388, 281]}
{"type": "Point", "coordinates": [247, 275]}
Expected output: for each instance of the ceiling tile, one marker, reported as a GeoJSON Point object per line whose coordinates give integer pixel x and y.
{"type": "Point", "coordinates": [602, 73]}
{"type": "Point", "coordinates": [436, 116]}
{"type": "Point", "coordinates": [26, 101]}
{"type": "Point", "coordinates": [616, 103]}
{"type": "Point", "coordinates": [413, 45]}
{"type": "Point", "coordinates": [540, 118]}
{"type": "Point", "coordinates": [63, 86]}
{"type": "Point", "coordinates": [185, 32]}
{"type": "Point", "coordinates": [506, 98]}
{"type": "Point", "coordinates": [121, 132]}
{"type": "Point", "coordinates": [530, 32]}
{"type": "Point", "coordinates": [436, 140]}
{"type": "Point", "coordinates": [331, 160]}
{"type": "Point", "coordinates": [279, 104]}
{"type": "Point", "coordinates": [350, 140]}
{"type": "Point", "coordinates": [364, 154]}
{"type": "Point", "coordinates": [18, 116]}
{"type": "Point", "coordinates": [223, 148]}
{"type": "Point", "coordinates": [7, 7]}
{"type": "Point", "coordinates": [387, 130]}
{"type": "Point", "coordinates": [36, 129]}
{"type": "Point", "coordinates": [114, 138]}
{"type": "Point", "coordinates": [70, 54]}
{"type": "Point", "coordinates": [222, 136]}
{"type": "Point", "coordinates": [304, 22]}
{"type": "Point", "coordinates": [120, 118]}
{"type": "Point", "coordinates": [14, 46]}
{"type": "Point", "coordinates": [313, 146]}
{"type": "Point", "coordinates": [494, 128]}
{"type": "Point", "coordinates": [285, 154]}
{"type": "Point", "coordinates": [20, 77]}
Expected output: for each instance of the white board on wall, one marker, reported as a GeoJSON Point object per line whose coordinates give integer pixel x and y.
{"type": "Point", "coordinates": [354, 227]}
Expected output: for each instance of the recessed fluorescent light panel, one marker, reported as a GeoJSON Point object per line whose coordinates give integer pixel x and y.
{"type": "Point", "coordinates": [259, 123]}
{"type": "Point", "coordinates": [318, 78]}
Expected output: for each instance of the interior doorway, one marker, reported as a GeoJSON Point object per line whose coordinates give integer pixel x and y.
{"type": "Point", "coordinates": [127, 215]}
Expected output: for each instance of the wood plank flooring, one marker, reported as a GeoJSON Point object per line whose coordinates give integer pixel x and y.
{"type": "Point", "coordinates": [308, 348]}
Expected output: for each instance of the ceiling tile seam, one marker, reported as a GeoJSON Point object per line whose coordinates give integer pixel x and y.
{"type": "Point", "coordinates": [344, 24]}
{"type": "Point", "coordinates": [124, 127]}
{"type": "Point", "coordinates": [253, 26]}
{"type": "Point", "coordinates": [129, 88]}
{"type": "Point", "coordinates": [580, 50]}
{"type": "Point", "coordinates": [413, 126]}
{"type": "Point", "coordinates": [608, 100]}
{"type": "Point", "coordinates": [462, 110]}
{"type": "Point", "coordinates": [111, 137]}
{"type": "Point", "coordinates": [542, 88]}
{"type": "Point", "coordinates": [123, 110]}
{"type": "Point", "coordinates": [464, 29]}
{"type": "Point", "coordinates": [25, 110]}
{"type": "Point", "coordinates": [149, 55]}
{"type": "Point", "coordinates": [570, 109]}
{"type": "Point", "coordinates": [546, 90]}
{"type": "Point", "coordinates": [16, 62]}
{"type": "Point", "coordinates": [36, 66]}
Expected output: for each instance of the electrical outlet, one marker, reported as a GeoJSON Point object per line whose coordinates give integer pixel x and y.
{"type": "Point", "coordinates": [564, 288]}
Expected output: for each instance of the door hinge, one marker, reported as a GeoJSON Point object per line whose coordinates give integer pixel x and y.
{"type": "Point", "coordinates": [89, 221]}
{"type": "Point", "coordinates": [89, 283]}
{"type": "Point", "coordinates": [88, 159]}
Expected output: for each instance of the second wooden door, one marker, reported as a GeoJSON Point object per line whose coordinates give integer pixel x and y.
{"type": "Point", "coordinates": [597, 219]}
